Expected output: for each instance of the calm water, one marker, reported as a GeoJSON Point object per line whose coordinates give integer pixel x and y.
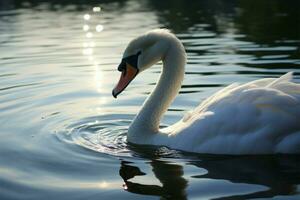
{"type": "Point", "coordinates": [63, 136]}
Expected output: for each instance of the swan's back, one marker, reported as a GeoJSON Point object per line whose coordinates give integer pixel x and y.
{"type": "Point", "coordinates": [260, 117]}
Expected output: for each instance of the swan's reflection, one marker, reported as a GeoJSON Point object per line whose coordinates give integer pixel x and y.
{"type": "Point", "coordinates": [170, 176]}
{"type": "Point", "coordinates": [280, 175]}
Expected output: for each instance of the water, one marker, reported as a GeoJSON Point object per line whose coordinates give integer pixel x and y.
{"type": "Point", "coordinates": [63, 136]}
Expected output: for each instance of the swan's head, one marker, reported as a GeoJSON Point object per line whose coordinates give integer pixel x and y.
{"type": "Point", "coordinates": [141, 53]}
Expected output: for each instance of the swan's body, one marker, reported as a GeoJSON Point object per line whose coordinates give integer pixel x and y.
{"type": "Point", "coordinates": [260, 117]}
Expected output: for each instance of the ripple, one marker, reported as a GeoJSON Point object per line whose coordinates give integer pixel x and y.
{"type": "Point", "coordinates": [105, 136]}
{"type": "Point", "coordinates": [19, 86]}
{"type": "Point", "coordinates": [109, 136]}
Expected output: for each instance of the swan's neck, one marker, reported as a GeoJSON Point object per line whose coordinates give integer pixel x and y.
{"type": "Point", "coordinates": [146, 123]}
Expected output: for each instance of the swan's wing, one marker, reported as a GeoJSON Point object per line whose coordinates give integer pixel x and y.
{"type": "Point", "coordinates": [258, 117]}
{"type": "Point", "coordinates": [286, 78]}
{"type": "Point", "coordinates": [281, 84]}
{"type": "Point", "coordinates": [210, 100]}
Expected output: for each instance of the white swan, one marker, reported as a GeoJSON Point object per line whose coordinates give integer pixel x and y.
{"type": "Point", "coordinates": [259, 117]}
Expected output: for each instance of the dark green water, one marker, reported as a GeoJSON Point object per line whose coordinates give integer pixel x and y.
{"type": "Point", "coordinates": [63, 136]}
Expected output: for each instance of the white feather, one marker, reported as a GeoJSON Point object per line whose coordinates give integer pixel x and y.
{"type": "Point", "coordinates": [259, 117]}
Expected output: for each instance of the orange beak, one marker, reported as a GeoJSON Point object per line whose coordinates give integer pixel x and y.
{"type": "Point", "coordinates": [127, 76]}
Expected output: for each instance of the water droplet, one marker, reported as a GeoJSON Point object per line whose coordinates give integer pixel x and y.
{"type": "Point", "coordinates": [89, 35]}
{"type": "Point", "coordinates": [86, 17]}
{"type": "Point", "coordinates": [99, 28]}
{"type": "Point", "coordinates": [96, 9]}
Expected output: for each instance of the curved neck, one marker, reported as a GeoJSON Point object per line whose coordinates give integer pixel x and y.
{"type": "Point", "coordinates": [148, 119]}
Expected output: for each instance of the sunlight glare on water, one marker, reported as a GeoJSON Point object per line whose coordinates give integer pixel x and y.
{"type": "Point", "coordinates": [63, 135]}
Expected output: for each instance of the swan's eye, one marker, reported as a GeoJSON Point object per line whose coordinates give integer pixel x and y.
{"type": "Point", "coordinates": [122, 66]}
{"type": "Point", "coordinates": [131, 60]}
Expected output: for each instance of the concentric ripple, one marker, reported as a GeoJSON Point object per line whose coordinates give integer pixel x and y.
{"type": "Point", "coordinates": [105, 136]}
{"type": "Point", "coordinates": [108, 135]}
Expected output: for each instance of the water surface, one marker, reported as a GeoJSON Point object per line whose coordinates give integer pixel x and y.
{"type": "Point", "coordinates": [63, 136]}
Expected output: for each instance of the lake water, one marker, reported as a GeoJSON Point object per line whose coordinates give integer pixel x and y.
{"type": "Point", "coordinates": [63, 135]}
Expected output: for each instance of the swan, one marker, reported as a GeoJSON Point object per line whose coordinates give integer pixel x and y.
{"type": "Point", "coordinates": [259, 117]}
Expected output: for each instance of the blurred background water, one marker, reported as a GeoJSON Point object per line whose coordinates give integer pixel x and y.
{"type": "Point", "coordinates": [63, 136]}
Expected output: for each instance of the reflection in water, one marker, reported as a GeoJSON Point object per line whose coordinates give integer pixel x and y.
{"type": "Point", "coordinates": [268, 20]}
{"type": "Point", "coordinates": [169, 175]}
{"type": "Point", "coordinates": [263, 21]}
{"type": "Point", "coordinates": [280, 174]}
{"type": "Point", "coordinates": [267, 30]}
{"type": "Point", "coordinates": [90, 27]}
